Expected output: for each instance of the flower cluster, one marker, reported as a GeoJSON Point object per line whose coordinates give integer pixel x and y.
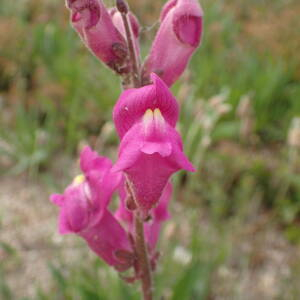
{"type": "Point", "coordinates": [102, 31]}
{"type": "Point", "coordinates": [145, 118]}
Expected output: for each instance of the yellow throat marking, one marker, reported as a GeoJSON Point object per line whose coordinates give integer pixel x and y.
{"type": "Point", "coordinates": [79, 179]}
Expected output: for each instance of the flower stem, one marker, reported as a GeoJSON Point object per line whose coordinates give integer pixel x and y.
{"type": "Point", "coordinates": [143, 259]}
{"type": "Point", "coordinates": [144, 267]}
{"type": "Point", "coordinates": [122, 6]}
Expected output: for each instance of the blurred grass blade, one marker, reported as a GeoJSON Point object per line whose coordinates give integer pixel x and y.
{"type": "Point", "coordinates": [193, 284]}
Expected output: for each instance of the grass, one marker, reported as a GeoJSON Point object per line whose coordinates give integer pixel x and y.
{"type": "Point", "coordinates": [54, 95]}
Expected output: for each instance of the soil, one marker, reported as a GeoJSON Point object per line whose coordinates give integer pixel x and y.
{"type": "Point", "coordinates": [28, 236]}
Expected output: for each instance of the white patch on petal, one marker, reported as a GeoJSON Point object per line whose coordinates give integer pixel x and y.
{"type": "Point", "coordinates": [158, 116]}
{"type": "Point", "coordinates": [159, 120]}
{"type": "Point", "coordinates": [148, 117]}
{"type": "Point", "coordinates": [87, 191]}
{"type": "Point", "coordinates": [153, 118]}
{"type": "Point", "coordinates": [147, 120]}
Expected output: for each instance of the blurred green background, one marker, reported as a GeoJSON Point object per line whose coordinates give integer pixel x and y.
{"type": "Point", "coordinates": [235, 230]}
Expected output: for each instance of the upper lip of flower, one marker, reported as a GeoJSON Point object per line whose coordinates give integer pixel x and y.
{"type": "Point", "coordinates": [133, 104]}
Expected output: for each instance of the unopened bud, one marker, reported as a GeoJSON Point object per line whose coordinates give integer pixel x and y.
{"type": "Point", "coordinates": [176, 40]}
{"type": "Point", "coordinates": [93, 23]}
{"type": "Point", "coordinates": [122, 6]}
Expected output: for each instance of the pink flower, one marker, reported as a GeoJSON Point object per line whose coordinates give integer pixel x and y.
{"type": "Point", "coordinates": [151, 149]}
{"type": "Point", "coordinates": [176, 40]}
{"type": "Point", "coordinates": [93, 23]}
{"type": "Point", "coordinates": [83, 209]}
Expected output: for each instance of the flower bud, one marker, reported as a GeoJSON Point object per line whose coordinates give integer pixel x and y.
{"type": "Point", "coordinates": [176, 40]}
{"type": "Point", "coordinates": [93, 23]}
{"type": "Point", "coordinates": [122, 6]}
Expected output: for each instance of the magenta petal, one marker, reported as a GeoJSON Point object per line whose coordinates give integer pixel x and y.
{"type": "Point", "coordinates": [149, 180]}
{"type": "Point", "coordinates": [129, 149]}
{"type": "Point", "coordinates": [152, 231]}
{"type": "Point", "coordinates": [63, 224]}
{"type": "Point", "coordinates": [74, 212]}
{"type": "Point", "coordinates": [76, 208]}
{"type": "Point", "coordinates": [188, 30]}
{"type": "Point", "coordinates": [123, 214]}
{"type": "Point", "coordinates": [167, 7]}
{"type": "Point", "coordinates": [106, 237]}
{"type": "Point", "coordinates": [182, 160]}
{"type": "Point", "coordinates": [159, 215]}
{"type": "Point", "coordinates": [108, 185]}
{"type": "Point", "coordinates": [83, 202]}
{"type": "Point", "coordinates": [97, 171]}
{"type": "Point", "coordinates": [90, 160]}
{"type": "Point", "coordinates": [164, 149]}
{"type": "Point", "coordinates": [57, 199]}
{"type": "Point", "coordinates": [161, 212]}
{"type": "Point", "coordinates": [133, 103]}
